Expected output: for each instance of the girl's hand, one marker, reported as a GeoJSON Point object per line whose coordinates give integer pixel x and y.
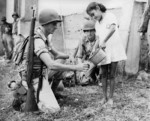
{"type": "Point", "coordinates": [103, 46]}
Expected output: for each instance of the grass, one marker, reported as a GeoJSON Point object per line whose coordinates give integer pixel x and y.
{"type": "Point", "coordinates": [132, 102]}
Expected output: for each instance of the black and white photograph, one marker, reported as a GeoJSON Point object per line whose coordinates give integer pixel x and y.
{"type": "Point", "coordinates": [74, 60]}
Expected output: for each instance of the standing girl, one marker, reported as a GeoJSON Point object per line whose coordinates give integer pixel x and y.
{"type": "Point", "coordinates": [107, 30]}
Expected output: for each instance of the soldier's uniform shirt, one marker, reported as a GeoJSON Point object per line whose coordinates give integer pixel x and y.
{"type": "Point", "coordinates": [85, 47]}
{"type": "Point", "coordinates": [15, 27]}
{"type": "Point", "coordinates": [84, 51]}
{"type": "Point", "coordinates": [15, 33]}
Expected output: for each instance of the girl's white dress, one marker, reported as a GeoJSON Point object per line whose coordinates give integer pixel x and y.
{"type": "Point", "coordinates": [114, 47]}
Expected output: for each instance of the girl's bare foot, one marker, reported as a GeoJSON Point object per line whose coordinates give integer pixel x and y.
{"type": "Point", "coordinates": [110, 102]}
{"type": "Point", "coordinates": [103, 101]}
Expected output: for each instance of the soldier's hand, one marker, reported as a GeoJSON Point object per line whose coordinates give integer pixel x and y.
{"type": "Point", "coordinates": [83, 67]}
{"type": "Point", "coordinates": [142, 36]}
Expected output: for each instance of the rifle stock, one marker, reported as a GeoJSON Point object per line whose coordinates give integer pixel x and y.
{"type": "Point", "coordinates": [31, 104]}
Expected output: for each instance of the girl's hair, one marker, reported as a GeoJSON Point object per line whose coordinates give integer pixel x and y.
{"type": "Point", "coordinates": [93, 5]}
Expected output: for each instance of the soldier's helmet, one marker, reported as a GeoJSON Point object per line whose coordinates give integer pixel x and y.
{"type": "Point", "coordinates": [15, 14]}
{"type": "Point", "coordinates": [47, 16]}
{"type": "Point", "coordinates": [89, 25]}
{"type": "Point", "coordinates": [3, 18]}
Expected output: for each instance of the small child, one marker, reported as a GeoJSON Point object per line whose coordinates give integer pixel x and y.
{"type": "Point", "coordinates": [19, 94]}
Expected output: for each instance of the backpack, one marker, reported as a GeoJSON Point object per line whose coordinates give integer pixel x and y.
{"type": "Point", "coordinates": [22, 46]}
{"type": "Point", "coordinates": [20, 49]}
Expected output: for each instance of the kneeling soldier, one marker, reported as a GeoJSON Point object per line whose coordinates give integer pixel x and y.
{"type": "Point", "coordinates": [45, 52]}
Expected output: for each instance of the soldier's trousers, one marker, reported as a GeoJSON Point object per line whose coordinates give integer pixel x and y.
{"type": "Point", "coordinates": [7, 41]}
{"type": "Point", "coordinates": [47, 101]}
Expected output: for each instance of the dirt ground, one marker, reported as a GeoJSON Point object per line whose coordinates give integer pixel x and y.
{"type": "Point", "coordinates": [132, 102]}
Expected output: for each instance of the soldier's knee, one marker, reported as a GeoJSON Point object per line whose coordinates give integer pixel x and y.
{"type": "Point", "coordinates": [16, 95]}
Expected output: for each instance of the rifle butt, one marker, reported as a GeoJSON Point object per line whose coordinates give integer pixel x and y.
{"type": "Point", "coordinates": [31, 104]}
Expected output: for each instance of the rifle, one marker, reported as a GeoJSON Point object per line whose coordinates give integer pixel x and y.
{"type": "Point", "coordinates": [31, 104]}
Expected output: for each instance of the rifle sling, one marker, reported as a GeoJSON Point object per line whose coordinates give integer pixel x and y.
{"type": "Point", "coordinates": [40, 82]}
